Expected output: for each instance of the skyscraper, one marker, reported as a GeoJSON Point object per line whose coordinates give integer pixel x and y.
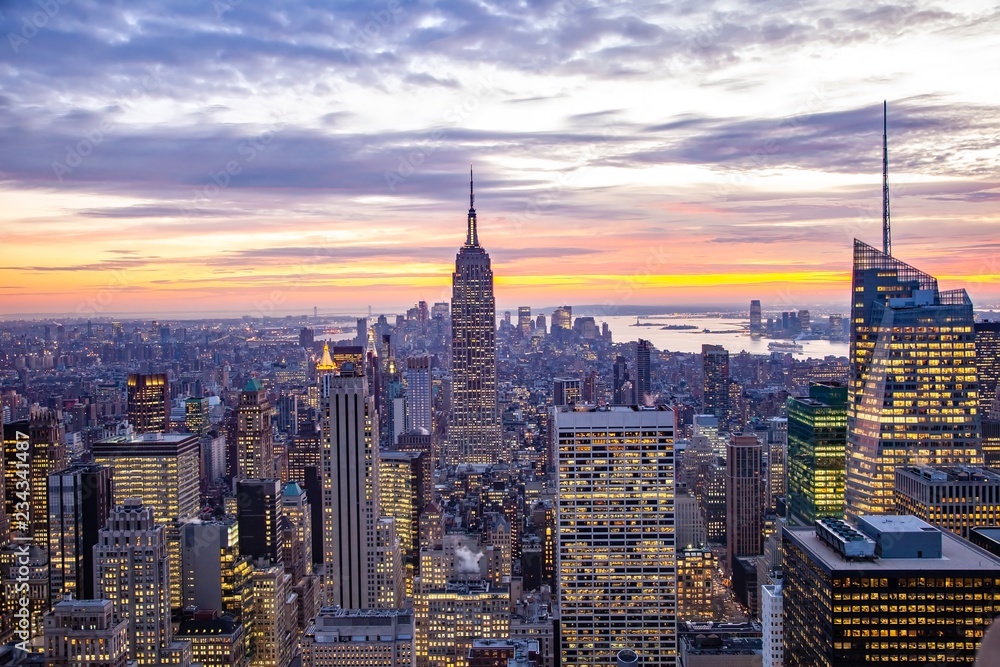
{"type": "Point", "coordinates": [419, 397]}
{"type": "Point", "coordinates": [913, 394]}
{"type": "Point", "coordinates": [643, 377]}
{"type": "Point", "coordinates": [744, 498]}
{"type": "Point", "coordinates": [255, 447]}
{"type": "Point", "coordinates": [32, 449]}
{"type": "Point", "coordinates": [617, 584]}
{"type": "Point", "coordinates": [350, 489]}
{"type": "Point", "coordinates": [988, 366]}
{"type": "Point", "coordinates": [622, 389]}
{"type": "Point", "coordinates": [474, 430]}
{"type": "Point", "coordinates": [148, 403]}
{"type": "Point", "coordinates": [755, 327]}
{"type": "Point", "coordinates": [85, 633]}
{"type": "Point", "coordinates": [131, 570]}
{"type": "Point", "coordinates": [566, 391]}
{"type": "Point", "coordinates": [524, 321]}
{"type": "Point", "coordinates": [79, 504]}
{"type": "Point", "coordinates": [258, 507]}
{"type": "Point", "coordinates": [817, 445]}
{"type": "Point", "coordinates": [715, 368]}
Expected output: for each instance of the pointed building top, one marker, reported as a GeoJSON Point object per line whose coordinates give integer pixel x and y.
{"type": "Point", "coordinates": [326, 363]}
{"type": "Point", "coordinates": [472, 236]}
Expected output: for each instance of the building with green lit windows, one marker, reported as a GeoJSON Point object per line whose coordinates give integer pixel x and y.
{"type": "Point", "coordinates": [817, 442]}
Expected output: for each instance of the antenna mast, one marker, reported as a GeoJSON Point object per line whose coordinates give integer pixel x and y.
{"type": "Point", "coordinates": [886, 234]}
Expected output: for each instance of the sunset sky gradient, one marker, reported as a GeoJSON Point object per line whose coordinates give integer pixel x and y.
{"type": "Point", "coordinates": [187, 157]}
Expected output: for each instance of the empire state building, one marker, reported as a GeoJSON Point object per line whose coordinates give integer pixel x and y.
{"type": "Point", "coordinates": [474, 430]}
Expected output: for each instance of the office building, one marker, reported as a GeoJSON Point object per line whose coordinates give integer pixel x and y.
{"type": "Point", "coordinates": [350, 490]}
{"type": "Point", "coordinates": [953, 498]}
{"type": "Point", "coordinates": [744, 498]}
{"type": "Point", "coordinates": [369, 637]}
{"type": "Point", "coordinates": [474, 430]}
{"type": "Point", "coordinates": [715, 385]}
{"type": "Point", "coordinates": [254, 437]}
{"type": "Point", "coordinates": [80, 501]}
{"type": "Point", "coordinates": [695, 567]}
{"type": "Point", "coordinates": [566, 391]}
{"type": "Point", "coordinates": [988, 367]}
{"type": "Point", "coordinates": [776, 451]}
{"type": "Point", "coordinates": [215, 575]}
{"type": "Point", "coordinates": [196, 415]}
{"type": "Point", "coordinates": [913, 393]}
{"type": "Point", "coordinates": [986, 537]}
{"type": "Point", "coordinates": [162, 471]}
{"type": "Point", "coordinates": [85, 633]}
{"type": "Point", "coordinates": [131, 570]}
{"type": "Point", "coordinates": [258, 503]}
{"type": "Point", "coordinates": [403, 478]}
{"type": "Point", "coordinates": [456, 616]}
{"type": "Point", "coordinates": [419, 394]}
{"type": "Point", "coordinates": [890, 589]}
{"type": "Point", "coordinates": [562, 319]}
{"type": "Point", "coordinates": [148, 403]}
{"type": "Point", "coordinates": [216, 640]}
{"type": "Point", "coordinates": [274, 633]}
{"type": "Point", "coordinates": [616, 471]}
{"type": "Point", "coordinates": [622, 390]}
{"type": "Point", "coordinates": [32, 449]}
{"type": "Point", "coordinates": [817, 446]}
{"type": "Point", "coordinates": [755, 318]}
{"type": "Point", "coordinates": [643, 376]}
{"type": "Point", "coordinates": [712, 651]}
{"type": "Point", "coordinates": [772, 626]}
{"type": "Point", "coordinates": [524, 323]}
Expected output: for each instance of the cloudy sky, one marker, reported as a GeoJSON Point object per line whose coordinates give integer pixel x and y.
{"type": "Point", "coordinates": [237, 156]}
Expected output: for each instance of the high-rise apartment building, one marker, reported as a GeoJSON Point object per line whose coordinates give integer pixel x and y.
{"type": "Point", "coordinates": [85, 633]}
{"type": "Point", "coordinates": [80, 501]}
{"type": "Point", "coordinates": [617, 583]}
{"type": "Point", "coordinates": [643, 373]}
{"type": "Point", "coordinates": [474, 430]}
{"type": "Point", "coordinates": [953, 498]}
{"type": "Point", "coordinates": [162, 471]}
{"type": "Point", "coordinates": [419, 394]}
{"type": "Point", "coordinates": [744, 498]}
{"type": "Point", "coordinates": [148, 403]}
{"type": "Point", "coordinates": [350, 489]}
{"type": "Point", "coordinates": [715, 386]}
{"type": "Point", "coordinates": [913, 392]}
{"type": "Point", "coordinates": [891, 589]}
{"type": "Point", "coordinates": [254, 437]}
{"type": "Point", "coordinates": [817, 445]}
{"type": "Point", "coordinates": [131, 570]}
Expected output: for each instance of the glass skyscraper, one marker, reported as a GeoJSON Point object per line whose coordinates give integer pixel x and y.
{"type": "Point", "coordinates": [913, 391]}
{"type": "Point", "coordinates": [817, 444]}
{"type": "Point", "coordinates": [474, 431]}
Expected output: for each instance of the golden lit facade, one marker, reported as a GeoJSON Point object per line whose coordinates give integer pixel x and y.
{"type": "Point", "coordinates": [913, 392]}
{"type": "Point", "coordinates": [474, 430]}
{"type": "Point", "coordinates": [617, 563]}
{"type": "Point", "coordinates": [163, 471]}
{"type": "Point", "coordinates": [148, 403]}
{"type": "Point", "coordinates": [955, 499]}
{"type": "Point", "coordinates": [845, 613]}
{"type": "Point", "coordinates": [32, 449]}
{"type": "Point", "coordinates": [695, 568]}
{"type": "Point", "coordinates": [460, 614]}
{"type": "Point", "coordinates": [274, 631]}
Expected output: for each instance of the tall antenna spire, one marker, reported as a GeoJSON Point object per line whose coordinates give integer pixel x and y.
{"type": "Point", "coordinates": [472, 238]}
{"type": "Point", "coordinates": [886, 234]}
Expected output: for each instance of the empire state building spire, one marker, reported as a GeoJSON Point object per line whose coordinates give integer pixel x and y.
{"type": "Point", "coordinates": [472, 237]}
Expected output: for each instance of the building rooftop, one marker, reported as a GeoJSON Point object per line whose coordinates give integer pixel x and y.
{"type": "Point", "coordinates": [715, 645]}
{"type": "Point", "coordinates": [957, 554]}
{"type": "Point", "coordinates": [943, 474]}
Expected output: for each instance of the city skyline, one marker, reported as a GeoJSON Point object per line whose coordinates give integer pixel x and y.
{"type": "Point", "coordinates": [187, 181]}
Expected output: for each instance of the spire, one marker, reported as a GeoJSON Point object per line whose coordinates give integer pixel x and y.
{"type": "Point", "coordinates": [326, 364]}
{"type": "Point", "coordinates": [472, 237]}
{"type": "Point", "coordinates": [886, 235]}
